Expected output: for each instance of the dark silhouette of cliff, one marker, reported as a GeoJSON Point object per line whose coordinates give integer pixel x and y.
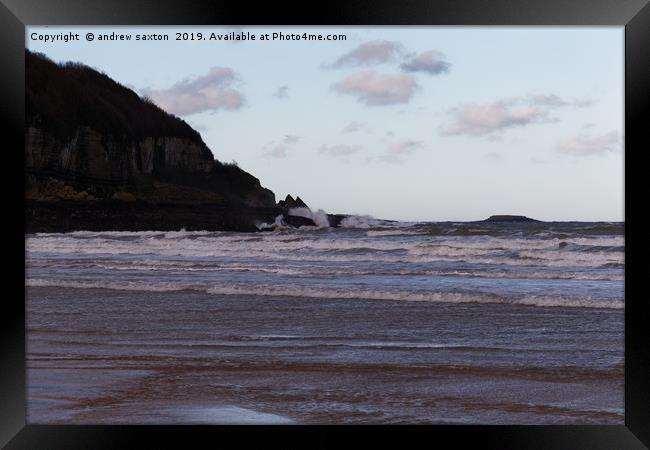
{"type": "Point", "coordinates": [89, 138]}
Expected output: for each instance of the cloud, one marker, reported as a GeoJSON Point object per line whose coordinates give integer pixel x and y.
{"type": "Point", "coordinates": [490, 118]}
{"type": "Point", "coordinates": [339, 150]}
{"type": "Point", "coordinates": [477, 120]}
{"type": "Point", "coordinates": [281, 92]}
{"type": "Point", "coordinates": [210, 92]}
{"type": "Point", "coordinates": [396, 151]}
{"type": "Point", "coordinates": [585, 145]}
{"type": "Point", "coordinates": [369, 53]}
{"type": "Point", "coordinates": [552, 100]}
{"type": "Point", "coordinates": [373, 89]}
{"type": "Point", "coordinates": [352, 127]}
{"type": "Point", "coordinates": [405, 146]}
{"type": "Point", "coordinates": [432, 62]}
{"type": "Point", "coordinates": [279, 149]}
{"type": "Point", "coordinates": [583, 103]}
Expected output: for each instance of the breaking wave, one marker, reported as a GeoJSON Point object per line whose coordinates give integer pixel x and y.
{"type": "Point", "coordinates": [334, 293]}
{"type": "Point", "coordinates": [302, 245]}
{"type": "Point", "coordinates": [558, 265]}
{"type": "Point", "coordinates": [319, 217]}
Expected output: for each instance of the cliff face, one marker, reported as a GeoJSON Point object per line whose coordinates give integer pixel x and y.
{"type": "Point", "coordinates": [89, 154]}
{"type": "Point", "coordinates": [94, 135]}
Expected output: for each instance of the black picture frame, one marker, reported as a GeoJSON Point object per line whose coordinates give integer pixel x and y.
{"type": "Point", "coordinates": [634, 15]}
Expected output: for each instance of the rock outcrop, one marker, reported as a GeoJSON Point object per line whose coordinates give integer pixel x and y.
{"type": "Point", "coordinates": [119, 215]}
{"type": "Point", "coordinates": [300, 204]}
{"type": "Point", "coordinates": [290, 202]}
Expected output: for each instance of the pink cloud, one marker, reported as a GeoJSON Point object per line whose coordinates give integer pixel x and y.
{"type": "Point", "coordinates": [210, 92]}
{"type": "Point", "coordinates": [373, 89]}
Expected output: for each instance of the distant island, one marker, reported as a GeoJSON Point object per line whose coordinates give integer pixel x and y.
{"type": "Point", "coordinates": [509, 218]}
{"type": "Point", "coordinates": [99, 157]}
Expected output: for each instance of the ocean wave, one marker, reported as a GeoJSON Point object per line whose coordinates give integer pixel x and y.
{"type": "Point", "coordinates": [392, 232]}
{"type": "Point", "coordinates": [336, 293]}
{"type": "Point", "coordinates": [366, 221]}
{"type": "Point", "coordinates": [559, 230]}
{"type": "Point", "coordinates": [378, 240]}
{"type": "Point", "coordinates": [380, 237]}
{"type": "Point", "coordinates": [343, 254]}
{"type": "Point", "coordinates": [152, 265]}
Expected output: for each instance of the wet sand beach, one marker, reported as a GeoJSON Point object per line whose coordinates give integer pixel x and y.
{"type": "Point", "coordinates": [98, 356]}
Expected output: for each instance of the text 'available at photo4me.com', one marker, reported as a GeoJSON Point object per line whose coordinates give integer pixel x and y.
{"type": "Point", "coordinates": [186, 36]}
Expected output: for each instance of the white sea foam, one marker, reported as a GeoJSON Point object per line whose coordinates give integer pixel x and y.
{"type": "Point", "coordinates": [302, 291]}
{"type": "Point", "coordinates": [391, 263]}
{"type": "Point", "coordinates": [306, 246]}
{"type": "Point", "coordinates": [312, 269]}
{"type": "Point", "coordinates": [395, 232]}
{"type": "Point", "coordinates": [319, 217]}
{"type": "Point", "coordinates": [360, 222]}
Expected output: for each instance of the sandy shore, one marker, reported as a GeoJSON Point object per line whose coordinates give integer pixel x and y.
{"type": "Point", "coordinates": [100, 356]}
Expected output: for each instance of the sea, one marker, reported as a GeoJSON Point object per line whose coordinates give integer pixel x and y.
{"type": "Point", "coordinates": [373, 322]}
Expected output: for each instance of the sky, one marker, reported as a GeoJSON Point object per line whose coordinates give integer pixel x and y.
{"type": "Point", "coordinates": [404, 123]}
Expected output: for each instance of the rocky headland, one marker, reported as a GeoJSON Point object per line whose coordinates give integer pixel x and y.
{"type": "Point", "coordinates": [100, 157]}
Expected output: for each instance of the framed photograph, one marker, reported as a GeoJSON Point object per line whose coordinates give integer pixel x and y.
{"type": "Point", "coordinates": [415, 216]}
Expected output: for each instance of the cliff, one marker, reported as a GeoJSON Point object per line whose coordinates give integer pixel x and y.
{"type": "Point", "coordinates": [90, 139]}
